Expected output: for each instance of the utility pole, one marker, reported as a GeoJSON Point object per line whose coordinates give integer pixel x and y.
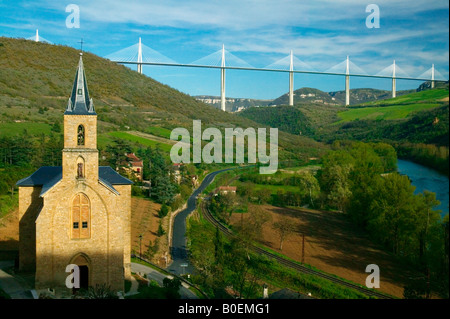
{"type": "Point", "coordinates": [303, 248]}
{"type": "Point", "coordinates": [140, 246]}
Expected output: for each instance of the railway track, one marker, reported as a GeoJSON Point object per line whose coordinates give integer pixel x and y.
{"type": "Point", "coordinates": [285, 262]}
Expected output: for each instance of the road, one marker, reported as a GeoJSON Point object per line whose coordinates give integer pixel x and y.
{"type": "Point", "coordinates": [178, 250]}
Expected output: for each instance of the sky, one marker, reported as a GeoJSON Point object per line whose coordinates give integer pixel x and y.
{"type": "Point", "coordinates": [321, 33]}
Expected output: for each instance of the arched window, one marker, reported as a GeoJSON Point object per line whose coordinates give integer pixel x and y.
{"type": "Point", "coordinates": [80, 135]}
{"type": "Point", "coordinates": [80, 167]}
{"type": "Point", "coordinates": [81, 218]}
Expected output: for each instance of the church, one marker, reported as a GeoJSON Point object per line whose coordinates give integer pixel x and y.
{"type": "Point", "coordinates": [78, 213]}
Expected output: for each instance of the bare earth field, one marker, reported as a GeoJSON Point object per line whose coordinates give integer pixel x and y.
{"type": "Point", "coordinates": [145, 221]}
{"type": "Point", "coordinates": [334, 246]}
{"type": "Point", "coordinates": [9, 231]}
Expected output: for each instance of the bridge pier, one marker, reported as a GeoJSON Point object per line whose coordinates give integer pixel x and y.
{"type": "Point", "coordinates": [291, 81]}
{"type": "Point", "coordinates": [222, 89]}
{"type": "Point", "coordinates": [222, 82]}
{"type": "Point", "coordinates": [432, 76]}
{"type": "Point", "coordinates": [347, 84]}
{"type": "Point", "coordinates": [139, 66]}
{"type": "Point", "coordinates": [394, 93]}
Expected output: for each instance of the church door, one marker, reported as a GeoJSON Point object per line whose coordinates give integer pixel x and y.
{"type": "Point", "coordinates": [84, 277]}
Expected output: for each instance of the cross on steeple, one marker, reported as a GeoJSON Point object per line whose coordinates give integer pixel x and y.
{"type": "Point", "coordinates": [81, 44]}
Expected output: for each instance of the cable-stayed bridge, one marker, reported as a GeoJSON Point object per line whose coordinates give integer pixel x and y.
{"type": "Point", "coordinates": [140, 55]}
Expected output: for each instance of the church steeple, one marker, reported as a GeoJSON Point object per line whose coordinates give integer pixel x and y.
{"type": "Point", "coordinates": [79, 102]}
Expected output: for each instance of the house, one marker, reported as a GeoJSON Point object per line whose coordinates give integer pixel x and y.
{"type": "Point", "coordinates": [225, 190]}
{"type": "Point", "coordinates": [136, 166]}
{"type": "Point", "coordinates": [176, 172]}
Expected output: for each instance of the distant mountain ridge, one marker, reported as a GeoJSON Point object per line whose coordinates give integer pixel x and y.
{"type": "Point", "coordinates": [306, 95]}
{"type": "Point", "coordinates": [232, 104]}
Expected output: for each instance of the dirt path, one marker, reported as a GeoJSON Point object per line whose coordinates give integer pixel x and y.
{"type": "Point", "coordinates": [334, 245]}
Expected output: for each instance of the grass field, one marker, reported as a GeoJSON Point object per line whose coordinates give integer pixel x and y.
{"type": "Point", "coordinates": [11, 129]}
{"type": "Point", "coordinates": [137, 139]}
{"type": "Point", "coordinates": [159, 131]}
{"type": "Point", "coordinates": [422, 96]}
{"type": "Point", "coordinates": [384, 113]}
{"type": "Point", "coordinates": [273, 188]}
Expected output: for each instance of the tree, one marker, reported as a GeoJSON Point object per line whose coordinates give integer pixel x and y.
{"type": "Point", "coordinates": [424, 218]}
{"type": "Point", "coordinates": [163, 211]}
{"type": "Point", "coordinates": [264, 195]}
{"type": "Point", "coordinates": [390, 211]}
{"type": "Point", "coordinates": [387, 154]}
{"type": "Point", "coordinates": [172, 287]}
{"type": "Point", "coordinates": [284, 228]}
{"type": "Point", "coordinates": [160, 230]}
{"type": "Point", "coordinates": [251, 229]}
{"type": "Point", "coordinates": [311, 185]}
{"type": "Point", "coordinates": [163, 190]}
{"type": "Point", "coordinates": [239, 265]}
{"type": "Point", "coordinates": [337, 181]}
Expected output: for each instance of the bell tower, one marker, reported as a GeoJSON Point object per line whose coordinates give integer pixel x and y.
{"type": "Point", "coordinates": [80, 154]}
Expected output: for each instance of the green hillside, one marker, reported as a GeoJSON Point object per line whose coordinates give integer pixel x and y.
{"type": "Point", "coordinates": [415, 123]}
{"type": "Point", "coordinates": [36, 80]}
{"type": "Point", "coordinates": [357, 96]}
{"type": "Point", "coordinates": [390, 112]}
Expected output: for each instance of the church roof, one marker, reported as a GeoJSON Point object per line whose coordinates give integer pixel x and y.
{"type": "Point", "coordinates": [48, 176]}
{"type": "Point", "coordinates": [79, 102]}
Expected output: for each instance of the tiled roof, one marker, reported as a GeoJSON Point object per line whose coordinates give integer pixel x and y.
{"type": "Point", "coordinates": [48, 176]}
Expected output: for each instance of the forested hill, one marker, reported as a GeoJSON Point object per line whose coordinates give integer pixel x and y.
{"type": "Point", "coordinates": [35, 74]}
{"type": "Point", "coordinates": [357, 96]}
{"type": "Point", "coordinates": [36, 80]}
{"type": "Point", "coordinates": [417, 124]}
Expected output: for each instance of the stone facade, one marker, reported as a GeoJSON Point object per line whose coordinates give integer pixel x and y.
{"type": "Point", "coordinates": [72, 218]}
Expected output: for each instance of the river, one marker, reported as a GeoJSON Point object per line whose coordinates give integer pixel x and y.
{"type": "Point", "coordinates": [424, 178]}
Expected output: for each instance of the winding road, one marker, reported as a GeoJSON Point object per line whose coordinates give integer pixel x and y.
{"type": "Point", "coordinates": [178, 249]}
{"type": "Point", "coordinates": [180, 264]}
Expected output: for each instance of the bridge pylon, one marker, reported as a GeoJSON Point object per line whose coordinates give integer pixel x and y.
{"type": "Point", "coordinates": [394, 93]}
{"type": "Point", "coordinates": [291, 81]}
{"type": "Point", "coordinates": [139, 59]}
{"type": "Point", "coordinates": [222, 82]}
{"type": "Point", "coordinates": [347, 83]}
{"type": "Point", "coordinates": [432, 76]}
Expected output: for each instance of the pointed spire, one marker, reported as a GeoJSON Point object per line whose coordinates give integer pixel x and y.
{"type": "Point", "coordinates": [79, 102]}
